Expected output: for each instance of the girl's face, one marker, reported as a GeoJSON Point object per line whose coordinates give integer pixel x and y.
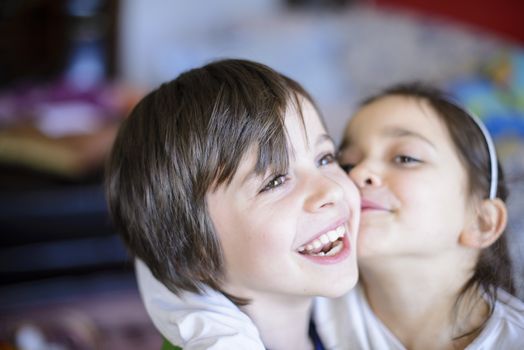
{"type": "Point", "coordinates": [412, 183]}
{"type": "Point", "coordinates": [289, 234]}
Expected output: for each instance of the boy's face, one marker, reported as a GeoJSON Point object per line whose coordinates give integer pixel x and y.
{"type": "Point", "coordinates": [289, 234]}
{"type": "Point", "coordinates": [412, 182]}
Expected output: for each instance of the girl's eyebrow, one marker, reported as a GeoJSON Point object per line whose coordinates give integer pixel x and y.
{"type": "Point", "coordinates": [401, 132]}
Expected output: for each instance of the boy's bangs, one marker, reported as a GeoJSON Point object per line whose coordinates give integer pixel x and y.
{"type": "Point", "coordinates": [249, 112]}
{"type": "Point", "coordinates": [273, 144]}
{"type": "Point", "coordinates": [266, 135]}
{"type": "Point", "coordinates": [273, 155]}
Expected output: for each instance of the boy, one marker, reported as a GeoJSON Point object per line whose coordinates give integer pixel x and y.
{"type": "Point", "coordinates": [226, 178]}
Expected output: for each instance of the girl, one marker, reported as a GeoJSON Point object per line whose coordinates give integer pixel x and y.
{"type": "Point", "coordinates": [435, 272]}
{"type": "Point", "coordinates": [225, 178]}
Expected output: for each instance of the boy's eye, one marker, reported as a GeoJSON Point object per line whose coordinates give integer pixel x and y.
{"type": "Point", "coordinates": [403, 159]}
{"type": "Point", "coordinates": [274, 183]}
{"type": "Point", "coordinates": [326, 159]}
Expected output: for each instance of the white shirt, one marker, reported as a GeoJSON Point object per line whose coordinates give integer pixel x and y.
{"type": "Point", "coordinates": [349, 323]}
{"type": "Point", "coordinates": [211, 321]}
{"type": "Point", "coordinates": [192, 321]}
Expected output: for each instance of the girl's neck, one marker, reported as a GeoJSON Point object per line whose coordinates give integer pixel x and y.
{"type": "Point", "coordinates": [283, 323]}
{"type": "Point", "coordinates": [416, 300]}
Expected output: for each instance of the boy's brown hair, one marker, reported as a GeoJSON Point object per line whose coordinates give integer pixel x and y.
{"type": "Point", "coordinates": [182, 140]}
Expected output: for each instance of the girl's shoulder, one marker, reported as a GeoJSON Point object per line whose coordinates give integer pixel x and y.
{"type": "Point", "coordinates": [509, 309]}
{"type": "Point", "coordinates": [505, 328]}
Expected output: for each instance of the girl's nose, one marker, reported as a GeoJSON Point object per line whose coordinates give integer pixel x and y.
{"type": "Point", "coordinates": [364, 176]}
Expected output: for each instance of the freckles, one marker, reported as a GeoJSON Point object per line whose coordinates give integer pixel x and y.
{"type": "Point", "coordinates": [272, 242]}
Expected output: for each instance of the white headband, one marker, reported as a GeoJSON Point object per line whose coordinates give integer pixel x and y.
{"type": "Point", "coordinates": [491, 150]}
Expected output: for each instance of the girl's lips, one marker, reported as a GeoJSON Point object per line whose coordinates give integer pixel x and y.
{"type": "Point", "coordinates": [369, 205]}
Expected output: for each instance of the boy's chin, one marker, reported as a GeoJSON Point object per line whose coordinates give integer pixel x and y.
{"type": "Point", "coordinates": [341, 287]}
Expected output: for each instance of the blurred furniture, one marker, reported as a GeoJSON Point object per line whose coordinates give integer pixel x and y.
{"type": "Point", "coordinates": [502, 17]}
{"type": "Point", "coordinates": [41, 38]}
{"type": "Point", "coordinates": [59, 112]}
{"type": "Point", "coordinates": [54, 229]}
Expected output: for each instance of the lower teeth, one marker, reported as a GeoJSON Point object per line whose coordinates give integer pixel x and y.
{"type": "Point", "coordinates": [335, 249]}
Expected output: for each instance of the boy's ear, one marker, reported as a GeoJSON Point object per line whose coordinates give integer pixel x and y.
{"type": "Point", "coordinates": [489, 223]}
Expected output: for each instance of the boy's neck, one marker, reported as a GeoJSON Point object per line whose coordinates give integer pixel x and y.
{"type": "Point", "coordinates": [415, 299]}
{"type": "Point", "coordinates": [283, 323]}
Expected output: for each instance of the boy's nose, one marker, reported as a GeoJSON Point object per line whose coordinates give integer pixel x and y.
{"type": "Point", "coordinates": [325, 193]}
{"type": "Point", "coordinates": [364, 176]}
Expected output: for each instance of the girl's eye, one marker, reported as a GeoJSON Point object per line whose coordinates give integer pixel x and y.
{"type": "Point", "coordinates": [403, 159]}
{"type": "Point", "coordinates": [326, 159]}
{"type": "Point", "coordinates": [274, 183]}
{"type": "Point", "coordinates": [347, 167]}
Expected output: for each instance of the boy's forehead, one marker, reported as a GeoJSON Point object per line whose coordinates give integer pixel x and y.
{"type": "Point", "coordinates": [304, 126]}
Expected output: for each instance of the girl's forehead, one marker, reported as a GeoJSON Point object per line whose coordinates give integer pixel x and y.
{"type": "Point", "coordinates": [391, 113]}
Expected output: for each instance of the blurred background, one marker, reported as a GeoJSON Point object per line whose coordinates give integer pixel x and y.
{"type": "Point", "coordinates": [70, 70]}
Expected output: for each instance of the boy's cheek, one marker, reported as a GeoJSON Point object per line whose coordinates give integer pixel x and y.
{"type": "Point", "coordinates": [350, 188]}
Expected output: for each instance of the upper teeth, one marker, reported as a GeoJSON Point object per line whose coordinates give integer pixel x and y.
{"type": "Point", "coordinates": [328, 237]}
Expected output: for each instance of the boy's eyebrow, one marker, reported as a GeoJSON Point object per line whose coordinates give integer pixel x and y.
{"type": "Point", "coordinates": [400, 132]}
{"type": "Point", "coordinates": [249, 176]}
{"type": "Point", "coordinates": [253, 174]}
{"type": "Point", "coordinates": [323, 138]}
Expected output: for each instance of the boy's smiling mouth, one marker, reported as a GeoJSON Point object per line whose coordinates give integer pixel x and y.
{"type": "Point", "coordinates": [328, 244]}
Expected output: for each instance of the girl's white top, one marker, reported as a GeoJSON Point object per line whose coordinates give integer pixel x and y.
{"type": "Point", "coordinates": [211, 321]}
{"type": "Point", "coordinates": [348, 323]}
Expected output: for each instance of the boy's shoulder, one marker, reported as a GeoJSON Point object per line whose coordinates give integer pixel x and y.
{"type": "Point", "coordinates": [195, 321]}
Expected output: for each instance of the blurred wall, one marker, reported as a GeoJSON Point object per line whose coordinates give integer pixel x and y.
{"type": "Point", "coordinates": [338, 54]}
{"type": "Point", "coordinates": [155, 34]}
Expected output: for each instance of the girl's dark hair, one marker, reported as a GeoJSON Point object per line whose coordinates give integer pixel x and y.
{"type": "Point", "coordinates": [182, 140]}
{"type": "Point", "coordinates": [493, 268]}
